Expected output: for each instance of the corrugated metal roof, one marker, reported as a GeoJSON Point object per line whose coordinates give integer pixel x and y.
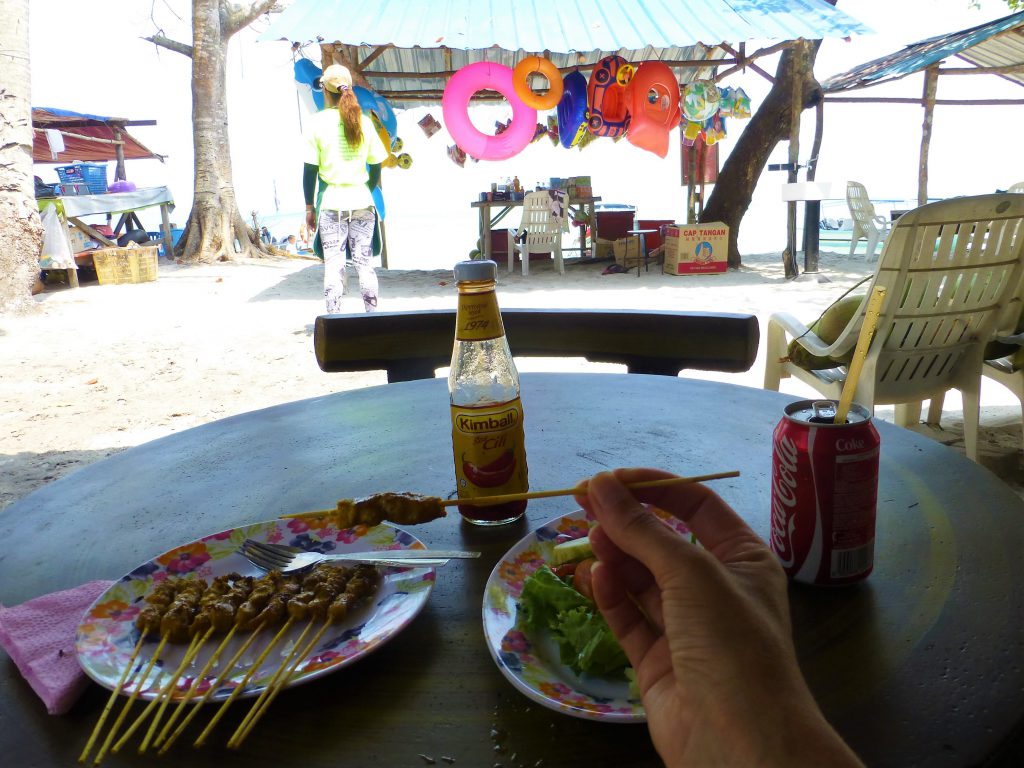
{"type": "Point", "coordinates": [998, 43]}
{"type": "Point", "coordinates": [428, 69]}
{"type": "Point", "coordinates": [559, 26]}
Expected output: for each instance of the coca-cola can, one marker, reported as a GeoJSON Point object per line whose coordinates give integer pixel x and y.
{"type": "Point", "coordinates": [824, 493]}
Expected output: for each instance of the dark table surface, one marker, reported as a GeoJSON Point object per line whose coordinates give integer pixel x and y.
{"type": "Point", "coordinates": [921, 664]}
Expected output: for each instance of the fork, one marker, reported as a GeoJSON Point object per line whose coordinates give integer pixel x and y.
{"type": "Point", "coordinates": [289, 560]}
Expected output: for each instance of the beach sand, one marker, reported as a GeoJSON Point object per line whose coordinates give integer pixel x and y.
{"type": "Point", "coordinates": [99, 369]}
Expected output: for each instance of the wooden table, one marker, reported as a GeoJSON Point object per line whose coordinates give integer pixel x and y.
{"type": "Point", "coordinates": [72, 208]}
{"type": "Point", "coordinates": [921, 664]}
{"type": "Point", "coordinates": [581, 208]}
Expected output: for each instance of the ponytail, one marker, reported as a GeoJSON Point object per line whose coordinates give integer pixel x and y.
{"type": "Point", "coordinates": [351, 117]}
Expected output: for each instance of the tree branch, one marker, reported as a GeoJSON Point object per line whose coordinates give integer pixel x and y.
{"type": "Point", "coordinates": [238, 17]}
{"type": "Point", "coordinates": [171, 45]}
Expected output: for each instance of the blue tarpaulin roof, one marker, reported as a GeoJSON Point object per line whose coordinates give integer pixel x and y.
{"type": "Point", "coordinates": [559, 25]}
{"type": "Point", "coordinates": [998, 43]}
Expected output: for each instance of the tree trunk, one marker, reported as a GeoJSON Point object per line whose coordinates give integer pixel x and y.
{"type": "Point", "coordinates": [767, 127]}
{"type": "Point", "coordinates": [215, 230]}
{"type": "Point", "coordinates": [21, 234]}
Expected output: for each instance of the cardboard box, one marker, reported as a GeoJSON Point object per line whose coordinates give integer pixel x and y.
{"type": "Point", "coordinates": [81, 241]}
{"type": "Point", "coordinates": [697, 249]}
{"type": "Point", "coordinates": [629, 255]}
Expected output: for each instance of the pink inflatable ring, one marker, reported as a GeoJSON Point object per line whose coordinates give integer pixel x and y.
{"type": "Point", "coordinates": [485, 75]}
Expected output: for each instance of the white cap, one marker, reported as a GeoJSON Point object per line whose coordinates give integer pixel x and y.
{"type": "Point", "coordinates": [475, 271]}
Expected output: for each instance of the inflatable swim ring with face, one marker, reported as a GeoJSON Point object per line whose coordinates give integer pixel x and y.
{"type": "Point", "coordinates": [653, 100]}
{"type": "Point", "coordinates": [521, 82]}
{"type": "Point", "coordinates": [572, 109]}
{"type": "Point", "coordinates": [455, 104]}
{"type": "Point", "coordinates": [606, 97]}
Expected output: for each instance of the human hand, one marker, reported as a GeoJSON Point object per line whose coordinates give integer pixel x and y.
{"type": "Point", "coordinates": [707, 628]}
{"type": "Point", "coordinates": [311, 219]}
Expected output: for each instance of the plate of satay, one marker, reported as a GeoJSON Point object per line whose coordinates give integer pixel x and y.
{"type": "Point", "coordinates": [200, 623]}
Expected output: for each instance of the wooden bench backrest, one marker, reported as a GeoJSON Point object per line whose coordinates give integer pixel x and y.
{"type": "Point", "coordinates": [412, 345]}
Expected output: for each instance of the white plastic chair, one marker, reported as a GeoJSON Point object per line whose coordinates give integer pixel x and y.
{"type": "Point", "coordinates": [951, 269]}
{"type": "Point", "coordinates": [866, 223]}
{"type": "Point", "coordinates": [540, 229]}
{"type": "Point", "coordinates": [1017, 189]}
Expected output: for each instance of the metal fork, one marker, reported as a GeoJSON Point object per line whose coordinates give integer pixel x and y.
{"type": "Point", "coordinates": [289, 560]}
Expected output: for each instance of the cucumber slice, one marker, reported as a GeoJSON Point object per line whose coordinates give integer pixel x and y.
{"type": "Point", "coordinates": [568, 551]}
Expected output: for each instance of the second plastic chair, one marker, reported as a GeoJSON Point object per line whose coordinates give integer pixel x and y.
{"type": "Point", "coordinates": [540, 230]}
{"type": "Point", "coordinates": [866, 223]}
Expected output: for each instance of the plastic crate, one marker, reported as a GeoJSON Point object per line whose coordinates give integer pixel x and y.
{"type": "Point", "coordinates": [117, 266]}
{"type": "Point", "coordinates": [92, 174]}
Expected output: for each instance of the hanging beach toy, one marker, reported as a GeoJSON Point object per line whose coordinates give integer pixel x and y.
{"type": "Point", "coordinates": [700, 100]}
{"type": "Point", "coordinates": [533, 65]}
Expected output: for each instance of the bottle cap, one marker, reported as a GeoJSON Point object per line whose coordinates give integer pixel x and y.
{"type": "Point", "coordinates": [475, 271]}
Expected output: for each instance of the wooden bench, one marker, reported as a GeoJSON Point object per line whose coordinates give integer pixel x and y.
{"type": "Point", "coordinates": [412, 345]}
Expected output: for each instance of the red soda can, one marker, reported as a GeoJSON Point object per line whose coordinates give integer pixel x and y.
{"type": "Point", "coordinates": [824, 493]}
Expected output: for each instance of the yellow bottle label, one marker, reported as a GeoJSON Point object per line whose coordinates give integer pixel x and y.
{"type": "Point", "coordinates": [490, 454]}
{"type": "Point", "coordinates": [478, 318]}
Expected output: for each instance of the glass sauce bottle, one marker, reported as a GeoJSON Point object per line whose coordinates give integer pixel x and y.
{"type": "Point", "coordinates": [487, 415]}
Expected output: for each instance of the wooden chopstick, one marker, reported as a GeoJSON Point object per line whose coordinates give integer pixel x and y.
{"type": "Point", "coordinates": [483, 501]}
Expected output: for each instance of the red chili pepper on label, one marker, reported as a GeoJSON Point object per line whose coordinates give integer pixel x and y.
{"type": "Point", "coordinates": [498, 472]}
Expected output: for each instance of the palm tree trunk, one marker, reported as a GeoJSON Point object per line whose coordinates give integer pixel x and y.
{"type": "Point", "coordinates": [21, 234]}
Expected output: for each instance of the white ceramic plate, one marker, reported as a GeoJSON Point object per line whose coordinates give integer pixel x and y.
{"type": "Point", "coordinates": [107, 636]}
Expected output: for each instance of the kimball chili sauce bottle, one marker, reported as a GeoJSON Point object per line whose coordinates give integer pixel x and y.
{"type": "Point", "coordinates": [487, 416]}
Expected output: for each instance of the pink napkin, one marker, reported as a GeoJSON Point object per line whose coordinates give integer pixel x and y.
{"type": "Point", "coordinates": [39, 636]}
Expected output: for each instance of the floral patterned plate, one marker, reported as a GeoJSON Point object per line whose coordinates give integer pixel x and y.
{"type": "Point", "coordinates": [107, 635]}
{"type": "Point", "coordinates": [530, 660]}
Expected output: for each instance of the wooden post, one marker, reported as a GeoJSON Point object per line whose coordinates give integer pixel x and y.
{"type": "Point", "coordinates": [812, 208]}
{"type": "Point", "coordinates": [796, 107]}
{"type": "Point", "coordinates": [931, 82]}
{"type": "Point", "coordinates": [119, 171]}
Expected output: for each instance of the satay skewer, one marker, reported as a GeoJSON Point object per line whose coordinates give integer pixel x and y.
{"type": "Point", "coordinates": [411, 509]}
{"type": "Point", "coordinates": [110, 701]}
{"type": "Point", "coordinates": [360, 584]}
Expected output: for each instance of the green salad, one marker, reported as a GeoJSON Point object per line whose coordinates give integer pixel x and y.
{"type": "Point", "coordinates": [585, 641]}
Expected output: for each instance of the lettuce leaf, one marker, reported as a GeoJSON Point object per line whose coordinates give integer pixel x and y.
{"type": "Point", "coordinates": [585, 641]}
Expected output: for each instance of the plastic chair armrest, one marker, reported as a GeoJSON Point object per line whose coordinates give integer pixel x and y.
{"type": "Point", "coordinates": [803, 335]}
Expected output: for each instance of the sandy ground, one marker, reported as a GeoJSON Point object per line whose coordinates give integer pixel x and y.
{"type": "Point", "coordinates": [99, 369]}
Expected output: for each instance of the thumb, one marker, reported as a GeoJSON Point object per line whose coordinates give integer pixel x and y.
{"type": "Point", "coordinates": [632, 527]}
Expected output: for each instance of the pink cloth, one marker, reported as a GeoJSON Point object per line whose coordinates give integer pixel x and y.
{"type": "Point", "coordinates": [39, 636]}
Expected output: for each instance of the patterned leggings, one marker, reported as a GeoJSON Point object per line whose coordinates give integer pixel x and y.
{"type": "Point", "coordinates": [354, 229]}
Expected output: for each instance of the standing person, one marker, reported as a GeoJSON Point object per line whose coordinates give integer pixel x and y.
{"type": "Point", "coordinates": [340, 143]}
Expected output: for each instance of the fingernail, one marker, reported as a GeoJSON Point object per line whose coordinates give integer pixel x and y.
{"type": "Point", "coordinates": [608, 491]}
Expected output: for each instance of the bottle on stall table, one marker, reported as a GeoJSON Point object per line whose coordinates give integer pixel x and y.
{"type": "Point", "coordinates": [487, 415]}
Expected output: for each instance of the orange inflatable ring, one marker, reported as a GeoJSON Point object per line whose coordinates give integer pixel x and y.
{"type": "Point", "coordinates": [521, 82]}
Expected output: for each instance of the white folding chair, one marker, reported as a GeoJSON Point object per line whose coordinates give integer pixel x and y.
{"type": "Point", "coordinates": [866, 223]}
{"type": "Point", "coordinates": [950, 269]}
{"type": "Point", "coordinates": [540, 230]}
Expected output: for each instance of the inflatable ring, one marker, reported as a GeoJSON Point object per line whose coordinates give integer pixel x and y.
{"type": "Point", "coordinates": [572, 109]}
{"type": "Point", "coordinates": [606, 95]}
{"type": "Point", "coordinates": [455, 105]}
{"type": "Point", "coordinates": [521, 82]}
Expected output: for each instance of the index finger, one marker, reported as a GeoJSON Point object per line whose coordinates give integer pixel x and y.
{"type": "Point", "coordinates": [716, 525]}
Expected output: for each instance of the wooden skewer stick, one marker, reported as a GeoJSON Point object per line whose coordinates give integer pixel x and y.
{"type": "Point", "coordinates": [110, 702]}
{"type": "Point", "coordinates": [482, 501]}
{"type": "Point", "coordinates": [194, 688]}
{"type": "Point", "coordinates": [242, 729]}
{"type": "Point", "coordinates": [211, 690]}
{"type": "Point", "coordinates": [169, 691]}
{"type": "Point", "coordinates": [128, 704]}
{"type": "Point", "coordinates": [867, 333]}
{"type": "Point", "coordinates": [241, 686]}
{"type": "Point", "coordinates": [155, 701]}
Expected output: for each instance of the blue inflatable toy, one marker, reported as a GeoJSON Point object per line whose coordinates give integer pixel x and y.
{"type": "Point", "coordinates": [373, 101]}
{"type": "Point", "coordinates": [307, 73]}
{"type": "Point", "coordinates": [572, 109]}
